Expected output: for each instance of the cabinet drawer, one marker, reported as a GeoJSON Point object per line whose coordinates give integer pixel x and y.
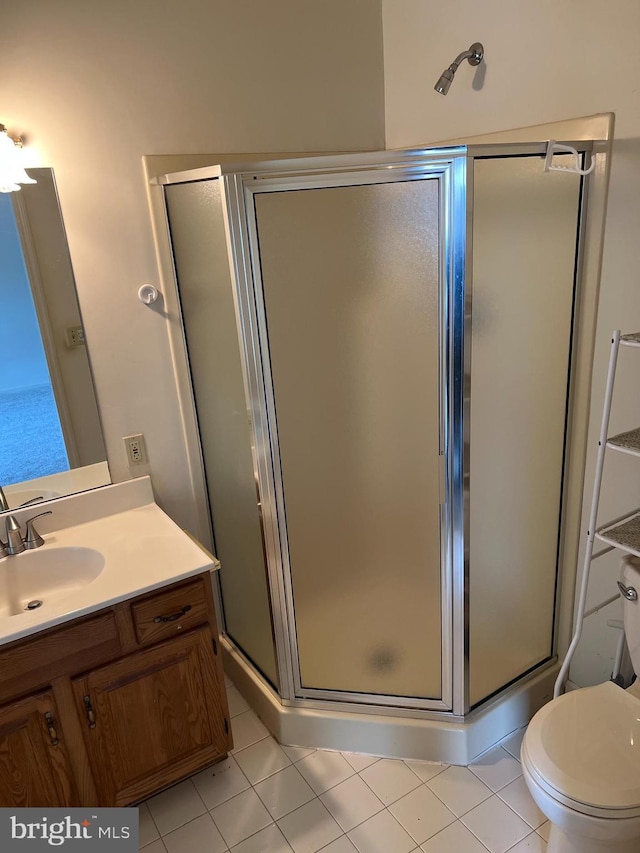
{"type": "Point", "coordinates": [30, 664]}
{"type": "Point", "coordinates": [166, 614]}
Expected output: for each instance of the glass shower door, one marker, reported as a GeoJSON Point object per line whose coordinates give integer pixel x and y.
{"type": "Point", "coordinates": [353, 288]}
{"type": "Point", "coordinates": [525, 262]}
{"type": "Point", "coordinates": [197, 230]}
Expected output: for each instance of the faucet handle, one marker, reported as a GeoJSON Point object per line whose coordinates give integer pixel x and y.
{"type": "Point", "coordinates": [32, 501]}
{"type": "Point", "coordinates": [32, 538]}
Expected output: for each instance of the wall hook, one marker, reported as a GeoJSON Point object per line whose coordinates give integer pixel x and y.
{"type": "Point", "coordinates": [554, 147]}
{"type": "Point", "coordinates": [148, 294]}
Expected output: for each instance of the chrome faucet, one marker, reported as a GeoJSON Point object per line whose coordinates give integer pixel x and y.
{"type": "Point", "coordinates": [15, 544]}
{"type": "Point", "coordinates": [4, 503]}
{"type": "Point", "coordinates": [31, 501]}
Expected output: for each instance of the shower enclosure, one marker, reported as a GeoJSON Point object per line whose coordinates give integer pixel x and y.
{"type": "Point", "coordinates": [381, 355]}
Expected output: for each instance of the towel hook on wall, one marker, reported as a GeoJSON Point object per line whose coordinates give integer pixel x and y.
{"type": "Point", "coordinates": [554, 147]}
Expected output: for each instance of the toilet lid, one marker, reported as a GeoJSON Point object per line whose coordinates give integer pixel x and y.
{"type": "Point", "coordinates": [586, 746]}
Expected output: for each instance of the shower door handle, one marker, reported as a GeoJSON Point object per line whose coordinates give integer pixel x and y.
{"type": "Point", "coordinates": [442, 478]}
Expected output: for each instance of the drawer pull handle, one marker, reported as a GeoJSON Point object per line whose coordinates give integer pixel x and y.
{"type": "Point", "coordinates": [91, 717]}
{"type": "Point", "coordinates": [51, 727]}
{"type": "Point", "coordinates": [173, 616]}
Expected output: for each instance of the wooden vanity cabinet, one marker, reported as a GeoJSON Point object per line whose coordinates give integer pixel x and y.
{"type": "Point", "coordinates": [132, 700]}
{"type": "Point", "coordinates": [152, 715]}
{"type": "Point", "coordinates": [34, 761]}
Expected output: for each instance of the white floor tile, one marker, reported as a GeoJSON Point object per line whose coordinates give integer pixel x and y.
{"type": "Point", "coordinates": [296, 753]}
{"type": "Point", "coordinates": [381, 834]}
{"type": "Point", "coordinates": [459, 789]}
{"type": "Point", "coordinates": [531, 844]}
{"type": "Point", "coordinates": [495, 825]}
{"type": "Point", "coordinates": [340, 845]}
{"type": "Point", "coordinates": [262, 759]}
{"type": "Point", "coordinates": [456, 838]}
{"type": "Point", "coordinates": [241, 817]}
{"type": "Point", "coordinates": [175, 807]}
{"type": "Point", "coordinates": [544, 830]}
{"type": "Point", "coordinates": [309, 828]}
{"type": "Point", "coordinates": [422, 814]}
{"type": "Point", "coordinates": [237, 703]}
{"type": "Point", "coordinates": [198, 836]}
{"type": "Point", "coordinates": [323, 770]}
{"type": "Point", "coordinates": [496, 768]}
{"type": "Point", "coordinates": [246, 729]}
{"type": "Point", "coordinates": [268, 840]}
{"type": "Point", "coordinates": [426, 770]}
{"type": "Point", "coordinates": [155, 847]}
{"type": "Point", "coordinates": [220, 782]}
{"type": "Point", "coordinates": [513, 742]}
{"type": "Point", "coordinates": [360, 762]}
{"type": "Point", "coordinates": [516, 795]}
{"type": "Point", "coordinates": [147, 830]}
{"type": "Point", "coordinates": [390, 779]}
{"type": "Point", "coordinates": [351, 802]}
{"type": "Point", "coordinates": [284, 792]}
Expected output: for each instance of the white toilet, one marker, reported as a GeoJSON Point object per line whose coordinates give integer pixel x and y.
{"type": "Point", "coordinates": [581, 756]}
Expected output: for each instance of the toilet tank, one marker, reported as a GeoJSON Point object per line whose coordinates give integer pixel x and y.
{"type": "Point", "coordinates": [630, 576]}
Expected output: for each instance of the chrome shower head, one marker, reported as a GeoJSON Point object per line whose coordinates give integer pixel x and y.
{"type": "Point", "coordinates": [445, 81]}
{"type": "Point", "coordinates": [474, 56]}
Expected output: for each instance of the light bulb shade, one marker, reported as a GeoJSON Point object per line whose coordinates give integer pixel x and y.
{"type": "Point", "coordinates": [12, 172]}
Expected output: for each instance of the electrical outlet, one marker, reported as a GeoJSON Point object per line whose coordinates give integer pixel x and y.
{"type": "Point", "coordinates": [75, 336]}
{"type": "Point", "coordinates": [136, 450]}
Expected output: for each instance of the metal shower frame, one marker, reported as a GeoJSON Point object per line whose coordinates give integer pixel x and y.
{"type": "Point", "coordinates": [453, 167]}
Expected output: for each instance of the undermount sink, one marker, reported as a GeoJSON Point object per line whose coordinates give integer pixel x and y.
{"type": "Point", "coordinates": [45, 574]}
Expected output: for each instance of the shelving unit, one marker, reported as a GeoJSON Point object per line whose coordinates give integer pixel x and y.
{"type": "Point", "coordinates": [620, 533]}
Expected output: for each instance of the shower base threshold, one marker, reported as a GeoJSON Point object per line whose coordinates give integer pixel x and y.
{"type": "Point", "coordinates": [451, 741]}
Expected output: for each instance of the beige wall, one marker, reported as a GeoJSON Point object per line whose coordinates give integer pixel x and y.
{"type": "Point", "coordinates": [97, 85]}
{"type": "Point", "coordinates": [545, 61]}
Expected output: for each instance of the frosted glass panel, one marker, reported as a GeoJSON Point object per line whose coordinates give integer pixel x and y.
{"type": "Point", "coordinates": [524, 250]}
{"type": "Point", "coordinates": [200, 254]}
{"type": "Point", "coordinates": [350, 277]}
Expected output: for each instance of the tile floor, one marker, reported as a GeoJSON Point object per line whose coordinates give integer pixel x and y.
{"type": "Point", "coordinates": [267, 798]}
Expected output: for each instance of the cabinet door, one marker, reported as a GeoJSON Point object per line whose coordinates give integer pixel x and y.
{"type": "Point", "coordinates": [34, 765]}
{"type": "Point", "coordinates": [152, 718]}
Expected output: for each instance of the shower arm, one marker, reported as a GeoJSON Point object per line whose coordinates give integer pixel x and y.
{"type": "Point", "coordinates": [473, 55]}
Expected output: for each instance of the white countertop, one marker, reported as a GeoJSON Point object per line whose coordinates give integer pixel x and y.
{"type": "Point", "coordinates": [143, 550]}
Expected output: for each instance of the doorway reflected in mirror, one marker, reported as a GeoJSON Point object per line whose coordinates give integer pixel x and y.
{"type": "Point", "coordinates": [31, 440]}
{"type": "Point", "coordinates": [51, 441]}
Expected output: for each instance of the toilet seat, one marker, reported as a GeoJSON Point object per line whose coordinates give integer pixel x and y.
{"type": "Point", "coordinates": [583, 749]}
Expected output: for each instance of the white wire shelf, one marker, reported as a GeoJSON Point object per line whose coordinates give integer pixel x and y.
{"type": "Point", "coordinates": [632, 340]}
{"type": "Point", "coordinates": [623, 534]}
{"type": "Point", "coordinates": [626, 442]}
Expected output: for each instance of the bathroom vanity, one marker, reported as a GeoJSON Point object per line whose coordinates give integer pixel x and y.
{"type": "Point", "coordinates": [108, 707]}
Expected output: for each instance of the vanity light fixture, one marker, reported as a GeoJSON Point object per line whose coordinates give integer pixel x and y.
{"type": "Point", "coordinates": [12, 173]}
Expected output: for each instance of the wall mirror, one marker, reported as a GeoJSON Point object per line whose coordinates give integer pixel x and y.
{"type": "Point", "coordinates": [51, 441]}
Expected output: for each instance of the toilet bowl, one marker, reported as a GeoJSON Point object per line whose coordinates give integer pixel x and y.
{"type": "Point", "coordinates": [581, 755]}
{"type": "Point", "coordinates": [581, 762]}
